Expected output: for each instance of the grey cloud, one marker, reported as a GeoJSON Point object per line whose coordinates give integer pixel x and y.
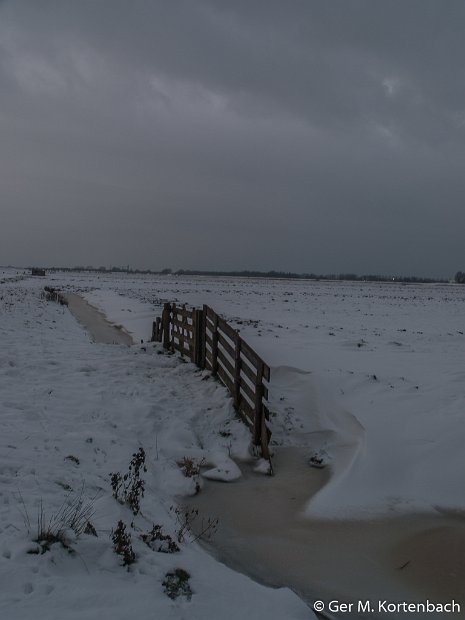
{"type": "Point", "coordinates": [314, 136]}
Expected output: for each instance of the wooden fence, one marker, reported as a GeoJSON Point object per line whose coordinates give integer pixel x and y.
{"type": "Point", "coordinates": [52, 294]}
{"type": "Point", "coordinates": [210, 342]}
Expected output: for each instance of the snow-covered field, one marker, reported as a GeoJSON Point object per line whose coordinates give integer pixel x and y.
{"type": "Point", "coordinates": [383, 389]}
{"type": "Point", "coordinates": [72, 412]}
{"type": "Point", "coordinates": [11, 274]}
{"type": "Point", "coordinates": [371, 375]}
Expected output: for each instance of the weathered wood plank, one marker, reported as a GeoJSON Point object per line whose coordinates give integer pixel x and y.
{"type": "Point", "coordinates": [182, 336]}
{"type": "Point", "coordinates": [258, 406]}
{"type": "Point", "coordinates": [227, 329]}
{"type": "Point", "coordinates": [223, 361]}
{"type": "Point", "coordinates": [209, 327]}
{"type": "Point", "coordinates": [187, 342]}
{"type": "Point", "coordinates": [249, 391]}
{"type": "Point", "coordinates": [245, 419]}
{"type": "Point", "coordinates": [199, 339]}
{"type": "Point", "coordinates": [215, 345]}
{"type": "Point", "coordinates": [249, 371]}
{"type": "Point", "coordinates": [187, 329]}
{"type": "Point", "coordinates": [247, 410]}
{"type": "Point", "coordinates": [265, 391]}
{"type": "Point", "coordinates": [166, 319]}
{"type": "Point", "coordinates": [154, 332]}
{"type": "Point", "coordinates": [237, 369]}
{"type": "Point", "coordinates": [185, 334]}
{"type": "Point", "coordinates": [226, 346]}
{"type": "Point", "coordinates": [264, 442]}
{"type": "Point", "coordinates": [183, 311]}
{"type": "Point", "coordinates": [180, 323]}
{"type": "Point", "coordinates": [251, 355]}
{"type": "Point", "coordinates": [225, 378]}
{"type": "Point", "coordinates": [210, 313]}
{"type": "Point", "coordinates": [256, 360]}
{"type": "Point", "coordinates": [252, 376]}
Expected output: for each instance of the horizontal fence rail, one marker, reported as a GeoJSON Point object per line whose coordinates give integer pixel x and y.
{"type": "Point", "coordinates": [205, 338]}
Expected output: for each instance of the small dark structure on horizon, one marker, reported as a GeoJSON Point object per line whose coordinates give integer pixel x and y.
{"type": "Point", "coordinates": [37, 272]}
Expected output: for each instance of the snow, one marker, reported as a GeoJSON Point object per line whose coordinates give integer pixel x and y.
{"type": "Point", "coordinates": [370, 373]}
{"type": "Point", "coordinates": [72, 413]}
{"type": "Point", "coordinates": [11, 274]}
{"type": "Point", "coordinates": [226, 472]}
{"type": "Point", "coordinates": [367, 376]}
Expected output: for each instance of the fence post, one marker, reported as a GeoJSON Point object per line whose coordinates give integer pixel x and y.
{"type": "Point", "coordinates": [203, 338]}
{"type": "Point", "coordinates": [199, 339]}
{"type": "Point", "coordinates": [174, 326]}
{"type": "Point", "coordinates": [166, 325]}
{"type": "Point", "coordinates": [154, 332]}
{"type": "Point", "coordinates": [185, 320]}
{"type": "Point", "coordinates": [185, 332]}
{"type": "Point", "coordinates": [258, 407]}
{"type": "Point", "coordinates": [195, 334]}
{"type": "Point", "coordinates": [159, 329]}
{"type": "Point", "coordinates": [215, 346]}
{"type": "Point", "coordinates": [180, 332]}
{"type": "Point", "coordinates": [237, 370]}
{"type": "Point", "coordinates": [265, 437]}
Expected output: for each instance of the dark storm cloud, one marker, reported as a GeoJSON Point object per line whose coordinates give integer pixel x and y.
{"type": "Point", "coordinates": [309, 136]}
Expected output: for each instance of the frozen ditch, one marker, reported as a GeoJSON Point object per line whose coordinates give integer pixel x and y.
{"type": "Point", "coordinates": [96, 323]}
{"type": "Point", "coordinates": [264, 533]}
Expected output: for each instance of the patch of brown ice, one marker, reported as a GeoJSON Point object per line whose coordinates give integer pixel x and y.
{"type": "Point", "coordinates": [96, 323]}
{"type": "Point", "coordinates": [263, 533]}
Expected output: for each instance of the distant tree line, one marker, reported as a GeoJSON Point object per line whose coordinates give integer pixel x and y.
{"type": "Point", "coordinates": [285, 275]}
{"type": "Point", "coordinates": [310, 276]}
{"type": "Point", "coordinates": [102, 269]}
{"type": "Point", "coordinates": [460, 277]}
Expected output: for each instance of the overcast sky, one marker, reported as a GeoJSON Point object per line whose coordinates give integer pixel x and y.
{"type": "Point", "coordinates": [302, 135]}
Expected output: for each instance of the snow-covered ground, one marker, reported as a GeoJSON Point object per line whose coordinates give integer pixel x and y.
{"type": "Point", "coordinates": [11, 274]}
{"type": "Point", "coordinates": [370, 373]}
{"type": "Point", "coordinates": [72, 412]}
